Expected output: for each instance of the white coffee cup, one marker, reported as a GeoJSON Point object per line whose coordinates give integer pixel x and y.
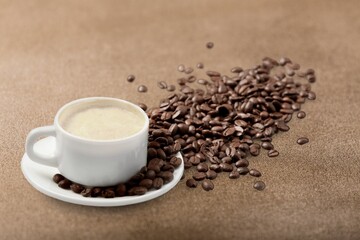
{"type": "Point", "coordinates": [93, 162]}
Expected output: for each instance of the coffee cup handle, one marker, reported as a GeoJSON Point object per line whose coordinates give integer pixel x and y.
{"type": "Point", "coordinates": [32, 138]}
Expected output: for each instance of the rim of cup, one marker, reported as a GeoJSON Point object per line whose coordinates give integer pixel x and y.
{"type": "Point", "coordinates": [91, 99]}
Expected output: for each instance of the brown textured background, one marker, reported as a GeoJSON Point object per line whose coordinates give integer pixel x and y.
{"type": "Point", "coordinates": [52, 52]}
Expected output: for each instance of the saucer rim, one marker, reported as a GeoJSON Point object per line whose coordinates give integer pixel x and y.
{"type": "Point", "coordinates": [71, 197]}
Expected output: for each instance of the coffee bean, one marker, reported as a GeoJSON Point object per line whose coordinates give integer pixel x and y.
{"type": "Point", "coordinates": [86, 192]}
{"type": "Point", "coordinates": [200, 65]}
{"type": "Point", "coordinates": [175, 161]}
{"type": "Point", "coordinates": [211, 174]}
{"type": "Point", "coordinates": [273, 153]}
{"type": "Point", "coordinates": [130, 78]}
{"type": "Point", "coordinates": [167, 176]}
{"type": "Point", "coordinates": [147, 183]}
{"type": "Point", "coordinates": [311, 96]}
{"type": "Point", "coordinates": [171, 88]}
{"type": "Point", "coordinates": [209, 45]}
{"type": "Point", "coordinates": [142, 106]}
{"type": "Point", "coordinates": [150, 174]}
{"type": "Point", "coordinates": [198, 176]}
{"type": "Point", "coordinates": [234, 175]}
{"type": "Point", "coordinates": [158, 183]}
{"type": "Point", "coordinates": [207, 185]}
{"type": "Point", "coordinates": [243, 170]}
{"type": "Point", "coordinates": [255, 149]}
{"type": "Point", "coordinates": [58, 177]}
{"type": "Point", "coordinates": [301, 114]}
{"type": "Point", "coordinates": [181, 68]}
{"type": "Point", "coordinates": [162, 85]}
{"type": "Point", "coordinates": [137, 191]}
{"type": "Point", "coordinates": [202, 81]}
{"type": "Point", "coordinates": [267, 145]}
{"type": "Point", "coordinates": [242, 163]}
{"type": "Point", "coordinates": [142, 88]}
{"type": "Point", "coordinates": [259, 185]}
{"type": "Point", "coordinates": [108, 193]}
{"type": "Point", "coordinates": [188, 70]}
{"type": "Point", "coordinates": [236, 70]}
{"type": "Point", "coordinates": [76, 188]}
{"type": "Point", "coordinates": [96, 192]}
{"type": "Point", "coordinates": [226, 167]}
{"type": "Point", "coordinates": [215, 167]}
{"type": "Point", "coordinates": [202, 167]}
{"type": "Point", "coordinates": [255, 173]}
{"type": "Point", "coordinates": [281, 125]}
{"type": "Point", "coordinates": [302, 140]}
{"type": "Point", "coordinates": [65, 184]}
{"type": "Point", "coordinates": [191, 183]}
{"type": "Point", "coordinates": [120, 190]}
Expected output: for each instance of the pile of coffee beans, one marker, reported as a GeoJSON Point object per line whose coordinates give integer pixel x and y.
{"type": "Point", "coordinates": [217, 124]}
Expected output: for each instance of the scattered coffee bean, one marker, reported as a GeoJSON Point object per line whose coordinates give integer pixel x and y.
{"type": "Point", "coordinates": [191, 183]}
{"type": "Point", "coordinates": [242, 163]}
{"type": "Point", "coordinates": [259, 185]}
{"type": "Point", "coordinates": [267, 145]}
{"type": "Point", "coordinates": [198, 176]}
{"type": "Point", "coordinates": [273, 153]}
{"type": "Point", "coordinates": [142, 88]}
{"type": "Point", "coordinates": [234, 175]}
{"type": "Point", "coordinates": [302, 140]}
{"type": "Point", "coordinates": [202, 167]}
{"type": "Point", "coordinates": [207, 185]}
{"type": "Point", "coordinates": [142, 106]}
{"type": "Point", "coordinates": [200, 65]}
{"type": "Point", "coordinates": [301, 114]}
{"type": "Point", "coordinates": [211, 174]}
{"type": "Point", "coordinates": [209, 45]}
{"type": "Point", "coordinates": [171, 88]}
{"type": "Point", "coordinates": [255, 173]}
{"type": "Point", "coordinates": [226, 167]}
{"type": "Point", "coordinates": [162, 85]}
{"type": "Point", "coordinates": [181, 68]}
{"type": "Point", "coordinates": [130, 78]}
{"type": "Point", "coordinates": [243, 170]}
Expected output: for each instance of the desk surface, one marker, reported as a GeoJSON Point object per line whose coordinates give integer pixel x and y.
{"type": "Point", "coordinates": [52, 52]}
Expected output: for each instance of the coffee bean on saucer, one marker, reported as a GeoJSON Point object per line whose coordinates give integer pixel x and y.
{"type": "Point", "coordinates": [207, 185]}
{"type": "Point", "coordinates": [150, 174]}
{"type": "Point", "coordinates": [86, 192]}
{"type": "Point", "coordinates": [65, 184]}
{"type": "Point", "coordinates": [108, 193]}
{"type": "Point", "coordinates": [58, 177]}
{"type": "Point", "coordinates": [142, 88]}
{"type": "Point", "coordinates": [259, 185]}
{"type": "Point", "coordinates": [130, 78]}
{"type": "Point", "coordinates": [167, 176]}
{"type": "Point", "coordinates": [76, 188]}
{"type": "Point", "coordinates": [158, 183]}
{"type": "Point", "coordinates": [96, 192]}
{"type": "Point", "coordinates": [175, 161]}
{"type": "Point", "coordinates": [148, 183]}
{"type": "Point", "coordinates": [191, 183]}
{"type": "Point", "coordinates": [302, 140]}
{"type": "Point", "coordinates": [209, 45]}
{"type": "Point", "coordinates": [137, 191]}
{"type": "Point", "coordinates": [120, 190]}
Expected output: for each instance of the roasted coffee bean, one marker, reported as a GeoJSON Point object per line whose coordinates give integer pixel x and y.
{"type": "Point", "coordinates": [96, 192]}
{"type": "Point", "coordinates": [202, 167]}
{"type": "Point", "coordinates": [215, 167]}
{"type": "Point", "coordinates": [255, 149]}
{"type": "Point", "coordinates": [58, 177]}
{"type": "Point", "coordinates": [171, 88]}
{"type": "Point", "coordinates": [158, 183]}
{"type": "Point", "coordinates": [167, 176]}
{"type": "Point", "coordinates": [142, 88]}
{"type": "Point", "coordinates": [243, 170]}
{"type": "Point", "coordinates": [86, 192]}
{"type": "Point", "coordinates": [273, 153]}
{"type": "Point", "coordinates": [200, 65]}
{"type": "Point", "coordinates": [207, 185]}
{"type": "Point", "coordinates": [65, 184]}
{"type": "Point", "coordinates": [311, 96]}
{"type": "Point", "coordinates": [226, 167]}
{"type": "Point", "coordinates": [202, 81]}
{"type": "Point", "coordinates": [302, 140]}
{"type": "Point", "coordinates": [150, 174]}
{"type": "Point", "coordinates": [242, 163]}
{"type": "Point", "coordinates": [137, 191]}
{"type": "Point", "coordinates": [191, 183]}
{"type": "Point", "coordinates": [130, 78]}
{"type": "Point", "coordinates": [198, 176]}
{"type": "Point", "coordinates": [259, 185]}
{"type": "Point", "coordinates": [281, 125]}
{"type": "Point", "coordinates": [267, 145]}
{"type": "Point", "coordinates": [301, 114]}
{"type": "Point", "coordinates": [142, 106]}
{"type": "Point", "coordinates": [108, 193]}
{"type": "Point", "coordinates": [194, 160]}
{"type": "Point", "coordinates": [211, 174]}
{"type": "Point", "coordinates": [121, 190]}
{"type": "Point", "coordinates": [236, 70]}
{"type": "Point", "coordinates": [155, 164]}
{"type": "Point", "coordinates": [234, 175]}
{"type": "Point", "coordinates": [76, 188]}
{"type": "Point", "coordinates": [209, 45]}
{"type": "Point", "coordinates": [255, 173]}
{"type": "Point", "coordinates": [188, 70]}
{"type": "Point", "coordinates": [181, 68]}
{"type": "Point", "coordinates": [175, 161]}
{"type": "Point", "coordinates": [147, 183]}
{"type": "Point", "coordinates": [162, 85]}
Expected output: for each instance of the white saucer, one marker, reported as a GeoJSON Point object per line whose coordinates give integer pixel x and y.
{"type": "Point", "coordinates": [40, 177]}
